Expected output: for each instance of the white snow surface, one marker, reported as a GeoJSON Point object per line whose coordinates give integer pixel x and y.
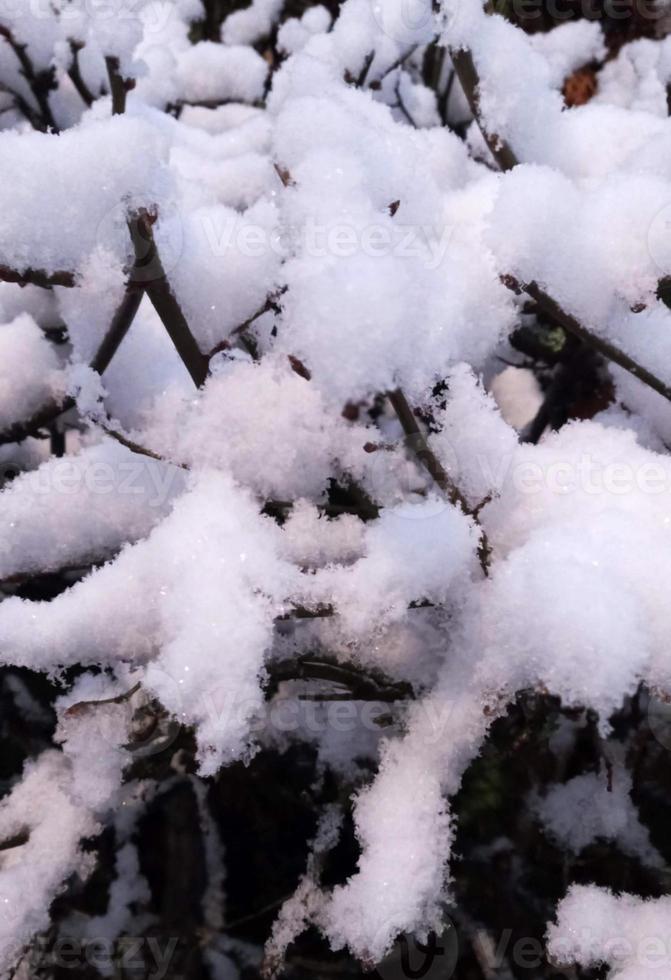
{"type": "Point", "coordinates": [324, 248]}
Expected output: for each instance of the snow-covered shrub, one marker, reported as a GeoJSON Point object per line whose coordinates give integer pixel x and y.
{"type": "Point", "coordinates": [335, 370]}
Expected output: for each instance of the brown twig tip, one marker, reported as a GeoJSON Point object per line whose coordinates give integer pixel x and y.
{"type": "Point", "coordinates": [299, 368]}
{"type": "Point", "coordinates": [511, 283]}
{"type": "Point", "coordinates": [284, 175]}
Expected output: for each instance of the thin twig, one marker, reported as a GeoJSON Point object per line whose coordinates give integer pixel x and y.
{"type": "Point", "coordinates": [445, 102]}
{"type": "Point", "coordinates": [506, 159]}
{"type": "Point", "coordinates": [377, 83]}
{"type": "Point", "coordinates": [421, 449]}
{"type": "Point", "coordinates": [360, 80]}
{"type": "Point", "coordinates": [147, 264]}
{"type": "Point", "coordinates": [119, 86]}
{"type": "Point", "coordinates": [549, 306]}
{"type": "Point", "coordinates": [41, 83]}
{"type": "Point", "coordinates": [149, 268]}
{"type": "Point", "coordinates": [37, 277]}
{"type": "Point", "coordinates": [24, 108]}
{"type": "Point", "coordinates": [75, 73]}
{"type": "Point", "coordinates": [135, 447]}
{"type": "Point", "coordinates": [364, 684]}
{"type": "Point", "coordinates": [121, 322]}
{"type": "Point", "coordinates": [465, 69]}
{"type": "Point", "coordinates": [75, 709]}
{"type": "Point", "coordinates": [270, 306]}
{"type": "Point", "coordinates": [80, 568]}
{"type": "Point", "coordinates": [236, 923]}
{"type": "Point", "coordinates": [416, 442]}
{"type": "Point", "coordinates": [19, 431]}
{"type": "Point", "coordinates": [118, 328]}
{"type": "Point", "coordinates": [402, 106]}
{"type": "Point", "coordinates": [331, 510]}
{"type": "Point", "coordinates": [325, 612]}
{"type": "Point", "coordinates": [175, 108]}
{"type": "Point", "coordinates": [284, 175]}
{"type": "Point", "coordinates": [301, 612]}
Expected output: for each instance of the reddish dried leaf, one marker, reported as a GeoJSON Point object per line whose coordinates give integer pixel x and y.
{"type": "Point", "coordinates": [580, 87]}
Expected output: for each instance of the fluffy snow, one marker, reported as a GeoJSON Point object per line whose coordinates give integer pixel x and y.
{"type": "Point", "coordinates": [82, 508]}
{"type": "Point", "coordinates": [31, 371]}
{"type": "Point", "coordinates": [594, 926]}
{"type": "Point", "coordinates": [65, 195]}
{"type": "Point", "coordinates": [265, 424]}
{"type": "Point", "coordinates": [606, 811]}
{"type": "Point", "coordinates": [327, 240]}
{"type": "Point", "coordinates": [209, 72]}
{"type": "Point", "coordinates": [56, 804]}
